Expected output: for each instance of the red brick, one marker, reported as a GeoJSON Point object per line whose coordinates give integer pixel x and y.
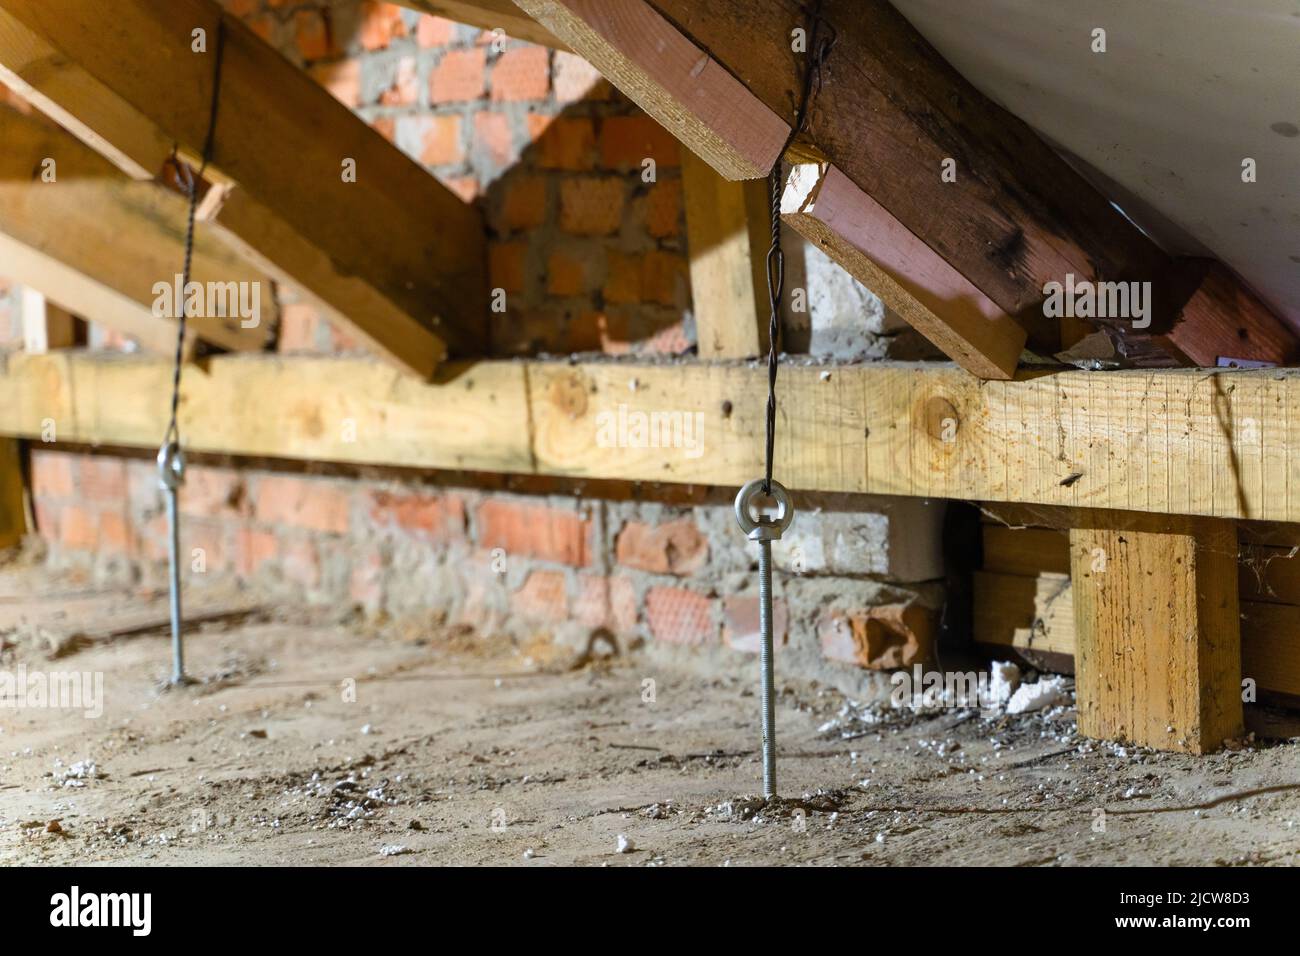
{"type": "Point", "coordinates": [405, 90]}
{"type": "Point", "coordinates": [458, 76]}
{"type": "Point", "coordinates": [522, 73]}
{"type": "Point", "coordinates": [679, 616]}
{"type": "Point", "coordinates": [433, 31]}
{"type": "Point", "coordinates": [606, 602]}
{"type": "Point", "coordinates": [536, 531]}
{"type": "Point", "coordinates": [669, 340]}
{"type": "Point", "coordinates": [209, 536]}
{"type": "Point", "coordinates": [114, 533]}
{"type": "Point", "coordinates": [492, 134]}
{"type": "Point", "coordinates": [241, 8]}
{"type": "Point", "coordinates": [665, 278]}
{"type": "Point", "coordinates": [663, 214]}
{"type": "Point", "coordinates": [591, 206]}
{"type": "Point", "coordinates": [442, 141]}
{"type": "Point", "coordinates": [576, 79]}
{"type": "Point", "coordinates": [103, 479]}
{"type": "Point", "coordinates": [567, 143]}
{"type": "Point", "coordinates": [213, 492]}
{"type": "Point", "coordinates": [342, 339]}
{"type": "Point", "coordinates": [253, 549]}
{"type": "Point", "coordinates": [885, 637]}
{"type": "Point", "coordinates": [623, 279]}
{"type": "Point", "coordinates": [625, 141]}
{"type": "Point", "coordinates": [342, 79]}
{"type": "Point", "coordinates": [51, 474]}
{"type": "Point", "coordinates": [543, 597]}
{"type": "Point", "coordinates": [381, 23]}
{"type": "Point", "coordinates": [674, 547]}
{"type": "Point", "coordinates": [298, 326]}
{"type": "Point", "coordinates": [440, 517]}
{"type": "Point", "coordinates": [466, 188]}
{"type": "Point", "coordinates": [314, 35]}
{"type": "Point", "coordinates": [78, 529]}
{"type": "Point", "coordinates": [385, 126]}
{"type": "Point", "coordinates": [507, 265]}
{"type": "Point", "coordinates": [740, 624]}
{"type": "Point", "coordinates": [300, 563]}
{"type": "Point", "coordinates": [523, 204]}
{"type": "Point", "coordinates": [300, 502]}
{"type": "Point", "coordinates": [47, 519]}
{"type": "Point", "coordinates": [568, 275]}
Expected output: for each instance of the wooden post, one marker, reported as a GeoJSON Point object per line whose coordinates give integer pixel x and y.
{"type": "Point", "coordinates": [1158, 658]}
{"type": "Point", "coordinates": [13, 516]}
{"type": "Point", "coordinates": [728, 236]}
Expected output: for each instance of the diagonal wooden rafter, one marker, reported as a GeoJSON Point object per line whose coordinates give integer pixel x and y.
{"type": "Point", "coordinates": [97, 242]}
{"type": "Point", "coordinates": [393, 254]}
{"type": "Point", "coordinates": [723, 76]}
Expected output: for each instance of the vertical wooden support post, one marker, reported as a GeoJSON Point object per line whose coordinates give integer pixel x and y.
{"type": "Point", "coordinates": [1158, 653]}
{"type": "Point", "coordinates": [45, 325]}
{"type": "Point", "coordinates": [13, 516]}
{"type": "Point", "coordinates": [728, 234]}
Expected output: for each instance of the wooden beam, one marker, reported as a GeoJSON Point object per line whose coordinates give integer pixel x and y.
{"type": "Point", "coordinates": [728, 237]}
{"type": "Point", "coordinates": [891, 114]}
{"type": "Point", "coordinates": [119, 236]}
{"type": "Point", "coordinates": [395, 254]}
{"type": "Point", "coordinates": [1174, 442]}
{"type": "Point", "coordinates": [878, 251]}
{"type": "Point", "coordinates": [78, 293]}
{"type": "Point", "coordinates": [13, 511]}
{"type": "Point", "coordinates": [489, 15]}
{"type": "Point", "coordinates": [46, 326]}
{"type": "Point", "coordinates": [1158, 641]}
{"type": "Point", "coordinates": [1034, 616]}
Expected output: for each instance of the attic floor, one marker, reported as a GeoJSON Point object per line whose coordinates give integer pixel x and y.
{"type": "Point", "coordinates": [471, 750]}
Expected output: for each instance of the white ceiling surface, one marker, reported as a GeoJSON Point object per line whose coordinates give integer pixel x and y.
{"type": "Point", "coordinates": [1186, 90]}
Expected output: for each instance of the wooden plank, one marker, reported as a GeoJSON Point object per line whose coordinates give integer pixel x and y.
{"type": "Point", "coordinates": [1028, 612]}
{"type": "Point", "coordinates": [1226, 320]}
{"type": "Point", "coordinates": [1007, 615]}
{"type": "Point", "coordinates": [875, 248]}
{"type": "Point", "coordinates": [13, 512]}
{"type": "Point", "coordinates": [45, 325]}
{"type": "Point", "coordinates": [892, 115]}
{"type": "Point", "coordinates": [489, 15]}
{"type": "Point", "coordinates": [728, 238]}
{"type": "Point", "coordinates": [92, 300]}
{"type": "Point", "coordinates": [672, 78]}
{"type": "Point", "coordinates": [1158, 643]}
{"type": "Point", "coordinates": [119, 235]}
{"type": "Point", "coordinates": [1027, 551]}
{"type": "Point", "coordinates": [881, 428]}
{"type": "Point", "coordinates": [416, 249]}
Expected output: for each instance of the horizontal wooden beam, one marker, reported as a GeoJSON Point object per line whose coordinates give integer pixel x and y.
{"type": "Point", "coordinates": [394, 253]}
{"type": "Point", "coordinates": [65, 202]}
{"type": "Point", "coordinates": [489, 15]}
{"type": "Point", "coordinates": [956, 170]}
{"type": "Point", "coordinates": [1223, 444]}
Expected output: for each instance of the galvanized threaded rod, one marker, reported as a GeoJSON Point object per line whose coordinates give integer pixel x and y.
{"type": "Point", "coordinates": [174, 553]}
{"type": "Point", "coordinates": [765, 662]}
{"type": "Point", "coordinates": [765, 530]}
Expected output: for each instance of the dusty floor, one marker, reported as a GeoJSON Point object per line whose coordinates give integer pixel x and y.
{"type": "Point", "coordinates": [463, 750]}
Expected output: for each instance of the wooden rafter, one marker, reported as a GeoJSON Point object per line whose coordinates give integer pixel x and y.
{"type": "Point", "coordinates": [98, 242]}
{"type": "Point", "coordinates": [890, 115]}
{"type": "Point", "coordinates": [393, 254]}
{"type": "Point", "coordinates": [1224, 444]}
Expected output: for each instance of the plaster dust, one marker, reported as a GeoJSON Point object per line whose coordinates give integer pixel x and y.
{"type": "Point", "coordinates": [465, 749]}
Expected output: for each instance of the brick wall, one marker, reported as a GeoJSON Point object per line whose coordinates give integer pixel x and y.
{"type": "Point", "coordinates": [592, 257]}
{"type": "Point", "coordinates": [856, 575]}
{"type": "Point", "coordinates": [589, 253]}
